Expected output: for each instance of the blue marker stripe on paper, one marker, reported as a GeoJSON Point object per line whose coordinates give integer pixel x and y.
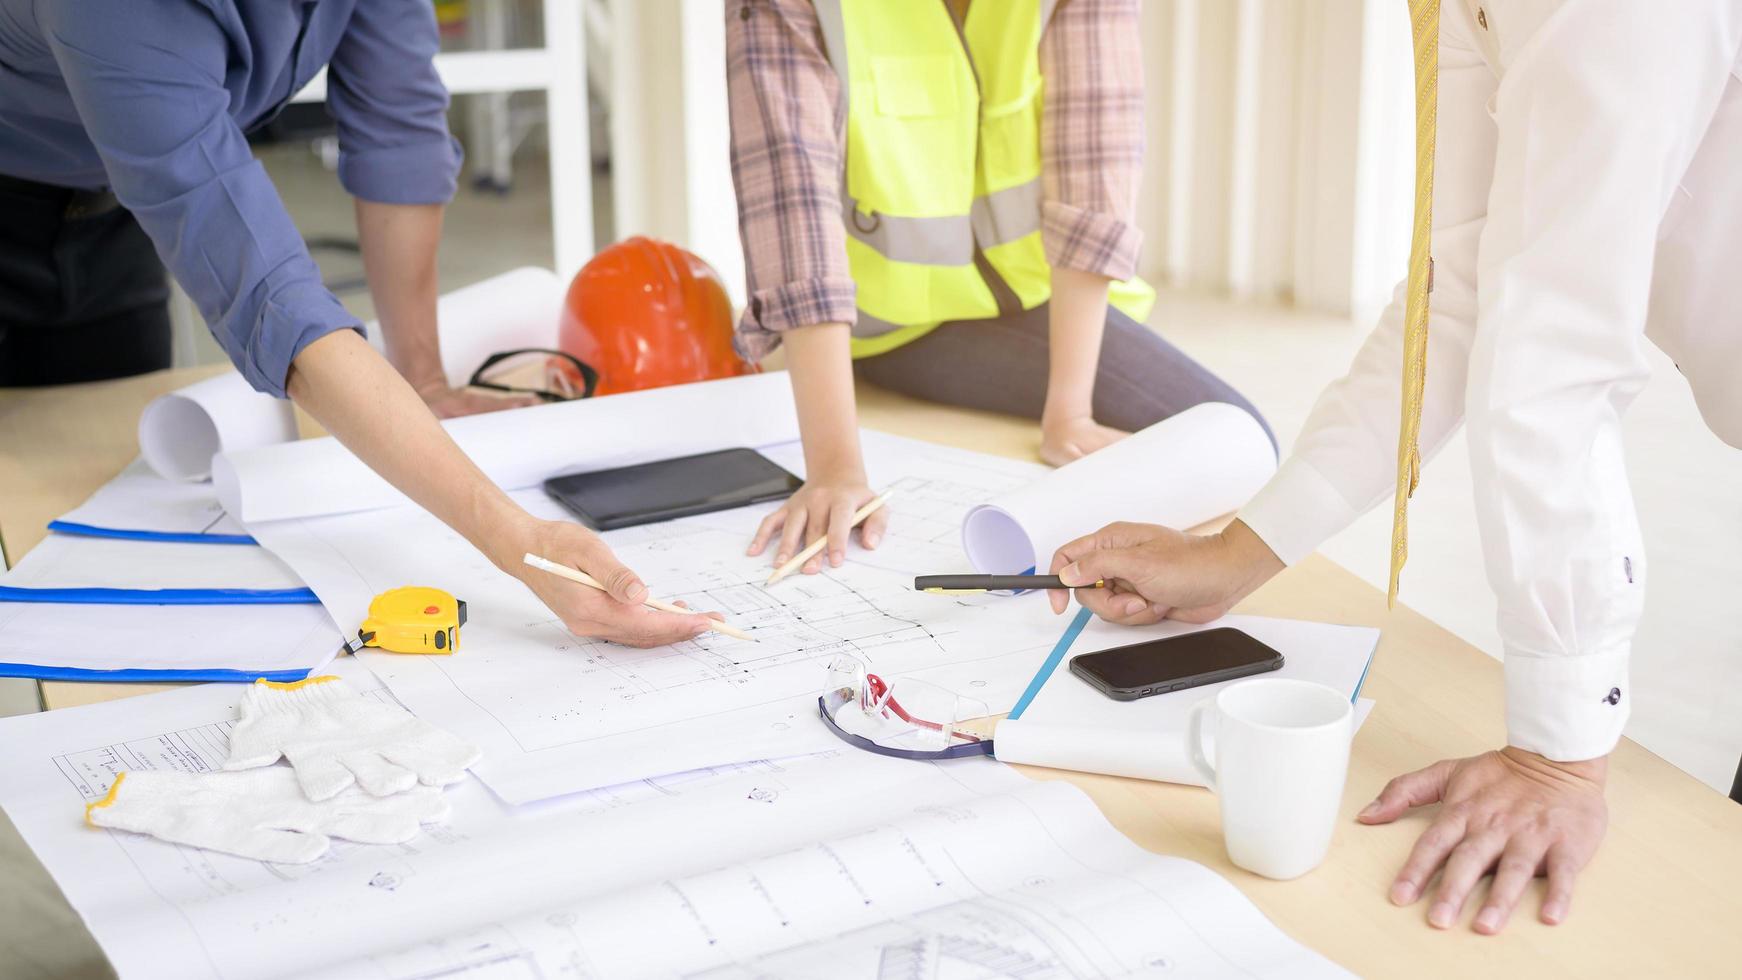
{"type": "Point", "coordinates": [1052, 662]}
{"type": "Point", "coordinates": [162, 597]}
{"type": "Point", "coordinates": [123, 534]}
{"type": "Point", "coordinates": [138, 675]}
{"type": "Point", "coordinates": [1363, 681]}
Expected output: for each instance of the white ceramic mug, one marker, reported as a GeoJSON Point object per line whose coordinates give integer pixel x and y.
{"type": "Point", "coordinates": [1282, 754]}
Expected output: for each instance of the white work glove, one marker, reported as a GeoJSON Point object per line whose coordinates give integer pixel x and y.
{"type": "Point", "coordinates": [335, 737]}
{"type": "Point", "coordinates": [260, 814]}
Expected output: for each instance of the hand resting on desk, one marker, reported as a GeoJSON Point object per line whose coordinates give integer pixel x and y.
{"type": "Point", "coordinates": [1512, 812]}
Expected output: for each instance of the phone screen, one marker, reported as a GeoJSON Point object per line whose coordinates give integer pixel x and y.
{"type": "Point", "coordinates": [672, 488]}
{"type": "Point", "coordinates": [1168, 662]}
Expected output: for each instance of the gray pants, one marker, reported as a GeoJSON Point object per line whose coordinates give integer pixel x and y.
{"type": "Point", "coordinates": [1000, 365]}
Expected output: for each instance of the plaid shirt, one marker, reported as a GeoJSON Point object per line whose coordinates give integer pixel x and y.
{"type": "Point", "coordinates": [789, 125]}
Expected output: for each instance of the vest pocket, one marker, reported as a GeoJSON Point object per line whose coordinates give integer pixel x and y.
{"type": "Point", "coordinates": [912, 149]}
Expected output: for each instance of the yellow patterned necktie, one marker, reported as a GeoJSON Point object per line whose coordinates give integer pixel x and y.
{"type": "Point", "coordinates": [1424, 17]}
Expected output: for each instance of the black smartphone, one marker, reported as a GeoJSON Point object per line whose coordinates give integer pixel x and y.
{"type": "Point", "coordinates": [1175, 663]}
{"type": "Point", "coordinates": [672, 488]}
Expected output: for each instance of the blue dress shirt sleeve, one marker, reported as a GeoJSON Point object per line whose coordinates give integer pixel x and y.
{"type": "Point", "coordinates": [391, 107]}
{"type": "Point", "coordinates": [147, 81]}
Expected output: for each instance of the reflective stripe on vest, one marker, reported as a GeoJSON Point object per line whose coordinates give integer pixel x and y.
{"type": "Point", "coordinates": [941, 182]}
{"type": "Point", "coordinates": [995, 219]}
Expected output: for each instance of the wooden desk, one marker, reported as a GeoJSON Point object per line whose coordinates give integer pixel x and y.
{"type": "Point", "coordinates": [1661, 899]}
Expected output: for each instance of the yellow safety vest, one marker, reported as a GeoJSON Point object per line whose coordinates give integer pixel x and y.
{"type": "Point", "coordinates": [941, 194]}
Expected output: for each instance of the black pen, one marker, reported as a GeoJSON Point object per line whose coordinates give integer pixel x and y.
{"type": "Point", "coordinates": [954, 584]}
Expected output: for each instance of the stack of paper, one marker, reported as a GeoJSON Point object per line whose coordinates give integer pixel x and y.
{"type": "Point", "coordinates": [89, 601]}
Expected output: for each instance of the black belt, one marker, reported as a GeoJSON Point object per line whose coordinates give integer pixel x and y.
{"type": "Point", "coordinates": [75, 203]}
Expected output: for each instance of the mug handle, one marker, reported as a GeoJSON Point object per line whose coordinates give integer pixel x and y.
{"type": "Point", "coordinates": [1195, 742]}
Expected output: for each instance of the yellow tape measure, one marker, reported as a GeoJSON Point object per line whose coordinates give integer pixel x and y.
{"type": "Point", "coordinates": [414, 619]}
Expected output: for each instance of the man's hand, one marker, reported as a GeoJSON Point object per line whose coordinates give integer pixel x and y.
{"type": "Point", "coordinates": [449, 403]}
{"type": "Point", "coordinates": [1065, 439]}
{"type": "Point", "coordinates": [824, 506]}
{"type": "Point", "coordinates": [1155, 573]}
{"type": "Point", "coordinates": [617, 615]}
{"type": "Point", "coordinates": [1512, 812]}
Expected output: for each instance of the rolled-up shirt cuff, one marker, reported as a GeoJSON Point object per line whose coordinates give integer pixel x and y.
{"type": "Point", "coordinates": [1297, 511]}
{"type": "Point", "coordinates": [804, 303]}
{"type": "Point", "coordinates": [416, 173]}
{"type": "Point", "coordinates": [1567, 708]}
{"type": "Point", "coordinates": [1089, 241]}
{"type": "Point", "coordinates": [290, 320]}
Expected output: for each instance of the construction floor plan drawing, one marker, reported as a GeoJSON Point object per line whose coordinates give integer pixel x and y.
{"type": "Point", "coordinates": [840, 864]}
{"type": "Point", "coordinates": [556, 713]}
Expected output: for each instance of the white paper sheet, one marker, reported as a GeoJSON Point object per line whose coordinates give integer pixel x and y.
{"type": "Point", "coordinates": [76, 561]}
{"type": "Point", "coordinates": [180, 432]}
{"type": "Point", "coordinates": [140, 500]}
{"type": "Point", "coordinates": [557, 714]}
{"type": "Point", "coordinates": [519, 448]}
{"type": "Point", "coordinates": [254, 639]}
{"type": "Point", "coordinates": [1180, 472]}
{"type": "Point", "coordinates": [518, 309]}
{"type": "Point", "coordinates": [1140, 754]}
{"type": "Point", "coordinates": [1070, 725]}
{"type": "Point", "coordinates": [850, 865]}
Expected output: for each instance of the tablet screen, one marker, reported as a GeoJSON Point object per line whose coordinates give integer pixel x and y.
{"type": "Point", "coordinates": [671, 488]}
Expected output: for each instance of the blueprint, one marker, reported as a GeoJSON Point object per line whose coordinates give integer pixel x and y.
{"type": "Point", "coordinates": [841, 864]}
{"type": "Point", "coordinates": [556, 713]}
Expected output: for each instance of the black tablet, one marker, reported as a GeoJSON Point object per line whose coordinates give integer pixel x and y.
{"type": "Point", "coordinates": [671, 488]}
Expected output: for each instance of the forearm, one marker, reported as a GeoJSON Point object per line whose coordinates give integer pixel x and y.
{"type": "Point", "coordinates": [1077, 317]}
{"type": "Point", "coordinates": [374, 412]}
{"type": "Point", "coordinates": [820, 364]}
{"type": "Point", "coordinates": [399, 243]}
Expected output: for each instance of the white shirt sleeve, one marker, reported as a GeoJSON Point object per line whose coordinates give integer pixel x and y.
{"type": "Point", "coordinates": [1600, 107]}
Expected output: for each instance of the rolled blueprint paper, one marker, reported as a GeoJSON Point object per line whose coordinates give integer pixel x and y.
{"type": "Point", "coordinates": [513, 311]}
{"type": "Point", "coordinates": [1156, 754]}
{"type": "Point", "coordinates": [180, 432]}
{"type": "Point", "coordinates": [1180, 472]}
{"type": "Point", "coordinates": [522, 448]}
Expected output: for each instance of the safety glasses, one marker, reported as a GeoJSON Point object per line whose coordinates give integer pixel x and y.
{"type": "Point", "coordinates": [903, 718]}
{"type": "Point", "coordinates": [553, 375]}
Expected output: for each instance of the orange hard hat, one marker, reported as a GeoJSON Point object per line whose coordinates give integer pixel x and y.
{"type": "Point", "coordinates": [647, 314]}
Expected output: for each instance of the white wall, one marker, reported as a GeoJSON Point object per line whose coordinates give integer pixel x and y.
{"type": "Point", "coordinates": [670, 137]}
{"type": "Point", "coordinates": [1274, 167]}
